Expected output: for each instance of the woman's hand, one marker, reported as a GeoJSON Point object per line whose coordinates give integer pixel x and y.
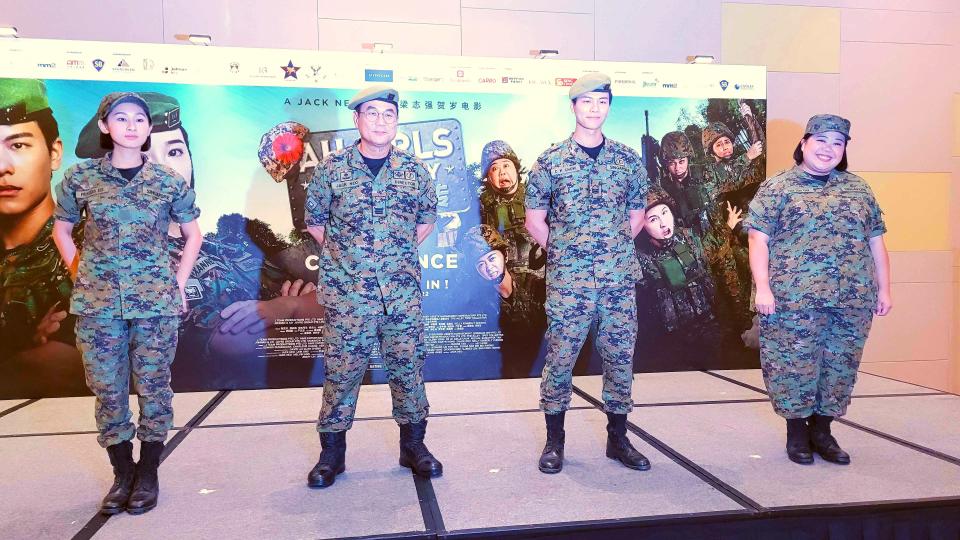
{"type": "Point", "coordinates": [765, 303]}
{"type": "Point", "coordinates": [734, 216]}
{"type": "Point", "coordinates": [884, 303]}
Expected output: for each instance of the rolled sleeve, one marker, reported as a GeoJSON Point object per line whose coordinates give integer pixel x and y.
{"type": "Point", "coordinates": [427, 201]}
{"type": "Point", "coordinates": [539, 187]}
{"type": "Point", "coordinates": [764, 210]}
{"type": "Point", "coordinates": [184, 208]}
{"type": "Point", "coordinates": [317, 207]}
{"type": "Point", "coordinates": [68, 208]}
{"type": "Point", "coordinates": [876, 225]}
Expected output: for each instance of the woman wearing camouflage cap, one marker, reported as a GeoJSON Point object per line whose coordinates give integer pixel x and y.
{"type": "Point", "coordinates": [126, 295]}
{"type": "Point", "coordinates": [822, 272]}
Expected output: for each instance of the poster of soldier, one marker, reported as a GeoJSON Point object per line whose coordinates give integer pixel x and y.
{"type": "Point", "coordinates": [248, 127]}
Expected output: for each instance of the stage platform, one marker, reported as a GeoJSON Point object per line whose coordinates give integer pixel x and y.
{"type": "Point", "coordinates": [236, 464]}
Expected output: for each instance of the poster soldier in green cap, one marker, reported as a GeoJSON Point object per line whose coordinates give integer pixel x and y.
{"type": "Point", "coordinates": [37, 351]}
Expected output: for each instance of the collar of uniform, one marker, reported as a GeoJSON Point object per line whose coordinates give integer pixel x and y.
{"type": "Point", "coordinates": [573, 147]}
{"type": "Point", "coordinates": [44, 235]}
{"type": "Point", "coordinates": [831, 176]}
{"type": "Point", "coordinates": [107, 167]}
{"type": "Point", "coordinates": [356, 158]}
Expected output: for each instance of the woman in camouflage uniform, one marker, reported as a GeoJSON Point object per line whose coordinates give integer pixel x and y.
{"type": "Point", "coordinates": [822, 272]}
{"type": "Point", "coordinates": [126, 296]}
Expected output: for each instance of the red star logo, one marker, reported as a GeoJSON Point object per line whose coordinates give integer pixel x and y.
{"type": "Point", "coordinates": [290, 70]}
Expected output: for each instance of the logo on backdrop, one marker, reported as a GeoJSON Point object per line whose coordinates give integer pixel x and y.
{"type": "Point", "coordinates": [98, 64]}
{"type": "Point", "coordinates": [290, 70]}
{"type": "Point", "coordinates": [378, 75]}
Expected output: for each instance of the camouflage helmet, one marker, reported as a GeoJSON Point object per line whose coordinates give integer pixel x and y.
{"type": "Point", "coordinates": [712, 134]}
{"type": "Point", "coordinates": [481, 240]}
{"type": "Point", "coordinates": [495, 150]}
{"type": "Point", "coordinates": [281, 148]}
{"type": "Point", "coordinates": [675, 145]}
{"type": "Point", "coordinates": [656, 195]}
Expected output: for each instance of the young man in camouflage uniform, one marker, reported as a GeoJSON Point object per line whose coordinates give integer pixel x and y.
{"type": "Point", "coordinates": [683, 181]}
{"type": "Point", "coordinates": [369, 206]}
{"type": "Point", "coordinates": [822, 272]}
{"type": "Point", "coordinates": [126, 294]}
{"type": "Point", "coordinates": [37, 351]}
{"type": "Point", "coordinates": [585, 200]}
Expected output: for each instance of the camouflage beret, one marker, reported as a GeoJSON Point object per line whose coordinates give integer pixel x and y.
{"type": "Point", "coordinates": [822, 123]}
{"type": "Point", "coordinates": [495, 150]}
{"type": "Point", "coordinates": [19, 98]}
{"type": "Point", "coordinates": [712, 134]}
{"type": "Point", "coordinates": [675, 145]}
{"type": "Point", "coordinates": [376, 92]}
{"type": "Point", "coordinates": [481, 240]}
{"type": "Point", "coordinates": [281, 148]}
{"type": "Point", "coordinates": [591, 82]}
{"type": "Point", "coordinates": [164, 116]}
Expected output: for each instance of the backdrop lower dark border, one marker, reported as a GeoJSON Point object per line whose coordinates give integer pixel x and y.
{"type": "Point", "coordinates": [920, 520]}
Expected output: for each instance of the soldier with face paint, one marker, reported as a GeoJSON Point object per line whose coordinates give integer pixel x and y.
{"type": "Point", "coordinates": [585, 200]}
{"type": "Point", "coordinates": [822, 273]}
{"type": "Point", "coordinates": [127, 295]}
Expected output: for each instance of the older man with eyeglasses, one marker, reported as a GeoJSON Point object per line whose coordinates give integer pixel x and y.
{"type": "Point", "coordinates": [369, 206]}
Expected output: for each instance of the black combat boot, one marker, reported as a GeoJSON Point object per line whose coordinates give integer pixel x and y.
{"type": "Point", "coordinates": [619, 447]}
{"type": "Point", "coordinates": [146, 486]}
{"type": "Point", "coordinates": [333, 454]}
{"type": "Point", "coordinates": [798, 441]}
{"type": "Point", "coordinates": [824, 443]}
{"type": "Point", "coordinates": [414, 454]}
{"type": "Point", "coordinates": [124, 470]}
{"type": "Point", "coordinates": [551, 459]}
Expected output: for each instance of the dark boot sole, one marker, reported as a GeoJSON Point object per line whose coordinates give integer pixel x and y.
{"type": "Point", "coordinates": [112, 511]}
{"type": "Point", "coordinates": [410, 465]}
{"type": "Point", "coordinates": [547, 470]}
{"type": "Point", "coordinates": [628, 465]}
{"type": "Point", "coordinates": [322, 484]}
{"type": "Point", "coordinates": [142, 510]}
{"type": "Point", "coordinates": [801, 460]}
{"type": "Point", "coordinates": [834, 460]}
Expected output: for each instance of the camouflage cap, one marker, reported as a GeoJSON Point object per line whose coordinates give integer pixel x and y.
{"type": "Point", "coordinates": [19, 98]}
{"type": "Point", "coordinates": [111, 100]}
{"type": "Point", "coordinates": [480, 240]}
{"type": "Point", "coordinates": [380, 92]}
{"type": "Point", "coordinates": [495, 150]}
{"type": "Point", "coordinates": [822, 123]}
{"type": "Point", "coordinates": [164, 116]}
{"type": "Point", "coordinates": [675, 145]}
{"type": "Point", "coordinates": [281, 148]}
{"type": "Point", "coordinates": [591, 82]}
{"type": "Point", "coordinates": [712, 134]}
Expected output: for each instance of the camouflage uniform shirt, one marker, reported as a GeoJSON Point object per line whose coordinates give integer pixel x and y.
{"type": "Point", "coordinates": [370, 223]}
{"type": "Point", "coordinates": [125, 267]}
{"type": "Point", "coordinates": [588, 203]}
{"type": "Point", "coordinates": [819, 239]}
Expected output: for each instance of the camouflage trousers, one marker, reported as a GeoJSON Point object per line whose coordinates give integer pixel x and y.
{"type": "Point", "coordinates": [570, 313]}
{"type": "Point", "coordinates": [810, 358]}
{"type": "Point", "coordinates": [351, 336]}
{"type": "Point", "coordinates": [112, 350]}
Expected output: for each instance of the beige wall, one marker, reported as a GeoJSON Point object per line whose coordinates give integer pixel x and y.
{"type": "Point", "coordinates": [888, 65]}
